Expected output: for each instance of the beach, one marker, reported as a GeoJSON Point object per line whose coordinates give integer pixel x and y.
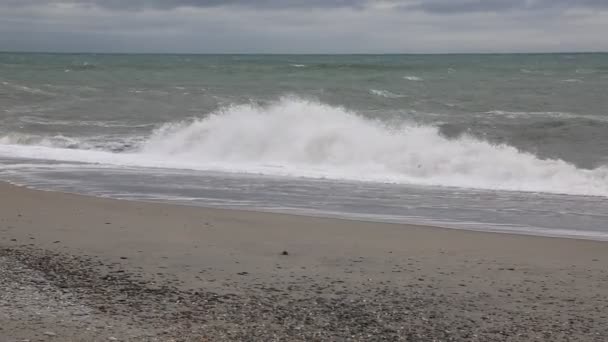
{"type": "Point", "coordinates": [78, 268]}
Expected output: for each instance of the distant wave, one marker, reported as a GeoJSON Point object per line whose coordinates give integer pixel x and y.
{"type": "Point", "coordinates": [59, 141]}
{"type": "Point", "coordinates": [82, 123]}
{"type": "Point", "coordinates": [298, 65]}
{"type": "Point", "coordinates": [83, 66]}
{"type": "Point", "coordinates": [558, 115]}
{"type": "Point", "coordinates": [27, 89]}
{"type": "Point", "coordinates": [295, 137]}
{"type": "Point", "coordinates": [154, 92]}
{"type": "Point", "coordinates": [572, 80]}
{"type": "Point", "coordinates": [585, 71]}
{"type": "Point", "coordinates": [385, 93]}
{"type": "Point", "coordinates": [413, 78]}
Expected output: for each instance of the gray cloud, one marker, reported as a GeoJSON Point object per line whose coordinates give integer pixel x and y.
{"type": "Point", "coordinates": [429, 6]}
{"type": "Point", "coordinates": [456, 6]}
{"type": "Point", "coordinates": [173, 4]}
{"type": "Point", "coordinates": [470, 6]}
{"type": "Point", "coordinates": [299, 26]}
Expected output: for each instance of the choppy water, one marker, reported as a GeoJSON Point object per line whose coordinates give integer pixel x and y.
{"type": "Point", "coordinates": [498, 142]}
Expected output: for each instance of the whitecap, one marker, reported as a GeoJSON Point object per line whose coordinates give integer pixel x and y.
{"type": "Point", "coordinates": [385, 93]}
{"type": "Point", "coordinates": [559, 115]}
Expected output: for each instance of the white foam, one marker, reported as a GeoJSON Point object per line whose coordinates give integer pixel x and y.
{"type": "Point", "coordinates": [385, 93]}
{"type": "Point", "coordinates": [56, 141]}
{"type": "Point", "coordinates": [558, 115]}
{"type": "Point", "coordinates": [27, 89]}
{"type": "Point", "coordinates": [413, 78]}
{"type": "Point", "coordinates": [295, 137]}
{"type": "Point", "coordinates": [92, 123]}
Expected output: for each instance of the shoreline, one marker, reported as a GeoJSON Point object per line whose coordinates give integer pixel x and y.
{"type": "Point", "coordinates": [157, 272]}
{"type": "Point", "coordinates": [526, 231]}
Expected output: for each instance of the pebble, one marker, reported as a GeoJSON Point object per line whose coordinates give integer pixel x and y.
{"type": "Point", "coordinates": [309, 309]}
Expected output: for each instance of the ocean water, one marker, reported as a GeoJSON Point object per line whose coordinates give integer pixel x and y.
{"type": "Point", "coordinates": [513, 143]}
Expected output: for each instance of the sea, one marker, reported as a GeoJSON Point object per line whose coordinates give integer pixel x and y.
{"type": "Point", "coordinates": [513, 143]}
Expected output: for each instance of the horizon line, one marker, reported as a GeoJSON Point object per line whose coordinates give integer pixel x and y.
{"type": "Point", "coordinates": [303, 54]}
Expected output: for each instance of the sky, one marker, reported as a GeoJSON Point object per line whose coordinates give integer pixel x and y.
{"type": "Point", "coordinates": [299, 26]}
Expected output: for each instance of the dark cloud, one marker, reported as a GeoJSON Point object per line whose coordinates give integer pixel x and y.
{"type": "Point", "coordinates": [472, 6]}
{"type": "Point", "coordinates": [428, 6]}
{"type": "Point", "coordinates": [172, 4]}
{"type": "Point", "coordinates": [466, 6]}
{"type": "Point", "coordinates": [304, 26]}
{"type": "Point", "coordinates": [261, 4]}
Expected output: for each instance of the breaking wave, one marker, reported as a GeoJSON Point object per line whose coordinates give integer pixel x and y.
{"type": "Point", "coordinates": [413, 78]}
{"type": "Point", "coordinates": [26, 89]}
{"type": "Point", "coordinates": [385, 93]}
{"type": "Point", "coordinates": [553, 115]}
{"type": "Point", "coordinates": [58, 141]}
{"type": "Point", "coordinates": [295, 137]}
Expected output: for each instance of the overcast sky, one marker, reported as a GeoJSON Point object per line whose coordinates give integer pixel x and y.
{"type": "Point", "coordinates": [304, 26]}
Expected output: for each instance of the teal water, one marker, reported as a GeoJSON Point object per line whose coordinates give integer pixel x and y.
{"type": "Point", "coordinates": [399, 137]}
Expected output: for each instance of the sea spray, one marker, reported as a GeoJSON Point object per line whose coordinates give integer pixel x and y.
{"type": "Point", "coordinates": [305, 138]}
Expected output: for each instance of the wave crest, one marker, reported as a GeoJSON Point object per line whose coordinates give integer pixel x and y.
{"type": "Point", "coordinates": [295, 137]}
{"type": "Point", "coordinates": [305, 138]}
{"type": "Point", "coordinates": [59, 141]}
{"type": "Point", "coordinates": [413, 78]}
{"type": "Point", "coordinates": [385, 93]}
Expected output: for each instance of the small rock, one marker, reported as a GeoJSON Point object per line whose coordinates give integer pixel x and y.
{"type": "Point", "coordinates": [49, 333]}
{"type": "Point", "coordinates": [284, 253]}
{"type": "Point", "coordinates": [123, 258]}
{"type": "Point", "coordinates": [112, 338]}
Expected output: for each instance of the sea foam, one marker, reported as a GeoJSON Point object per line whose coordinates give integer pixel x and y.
{"type": "Point", "coordinates": [385, 93]}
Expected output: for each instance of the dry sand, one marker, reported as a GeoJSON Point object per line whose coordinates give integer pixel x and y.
{"type": "Point", "coordinates": [77, 268]}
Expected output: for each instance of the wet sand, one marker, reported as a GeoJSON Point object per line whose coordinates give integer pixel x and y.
{"type": "Point", "coordinates": [77, 268]}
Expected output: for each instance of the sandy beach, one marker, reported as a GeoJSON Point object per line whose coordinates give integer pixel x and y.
{"type": "Point", "coordinates": [77, 268]}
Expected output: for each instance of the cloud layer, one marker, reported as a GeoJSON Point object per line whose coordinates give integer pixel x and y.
{"type": "Point", "coordinates": [304, 26]}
